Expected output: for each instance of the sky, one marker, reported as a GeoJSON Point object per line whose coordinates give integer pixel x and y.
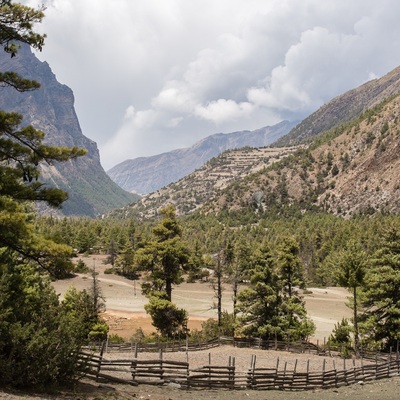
{"type": "Point", "coordinates": [150, 76]}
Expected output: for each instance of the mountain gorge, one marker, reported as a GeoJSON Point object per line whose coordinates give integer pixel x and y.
{"type": "Point", "coordinates": [147, 174]}
{"type": "Point", "coordinates": [351, 168]}
{"type": "Point", "coordinates": [51, 110]}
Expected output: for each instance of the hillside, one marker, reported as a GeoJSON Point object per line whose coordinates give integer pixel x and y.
{"type": "Point", "coordinates": [148, 174]}
{"type": "Point", "coordinates": [51, 109]}
{"type": "Point", "coordinates": [343, 108]}
{"type": "Point", "coordinates": [350, 169]}
{"type": "Point", "coordinates": [209, 182]}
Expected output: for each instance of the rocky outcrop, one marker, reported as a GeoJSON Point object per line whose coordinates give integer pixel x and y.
{"type": "Point", "coordinates": [51, 109]}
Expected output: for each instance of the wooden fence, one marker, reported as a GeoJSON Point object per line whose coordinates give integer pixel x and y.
{"type": "Point", "coordinates": [275, 379]}
{"type": "Point", "coordinates": [155, 347]}
{"type": "Point", "coordinates": [186, 345]}
{"type": "Point", "coordinates": [160, 372]}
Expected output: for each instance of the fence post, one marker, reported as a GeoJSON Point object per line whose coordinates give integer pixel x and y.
{"type": "Point", "coordinates": [232, 372]}
{"type": "Point", "coordinates": [334, 368]}
{"type": "Point", "coordinates": [397, 357]}
{"type": "Point", "coordinates": [161, 365]}
{"type": "Point", "coordinates": [294, 372]}
{"type": "Point", "coordinates": [103, 344]}
{"type": "Point", "coordinates": [250, 375]}
{"type": "Point", "coordinates": [362, 365]}
{"type": "Point", "coordinates": [276, 372]}
{"type": "Point", "coordinates": [209, 370]}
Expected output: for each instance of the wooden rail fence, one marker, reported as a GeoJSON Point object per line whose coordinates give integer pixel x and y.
{"type": "Point", "coordinates": [160, 372]}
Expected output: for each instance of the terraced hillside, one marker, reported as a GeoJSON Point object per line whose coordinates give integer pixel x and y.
{"type": "Point", "coordinates": [207, 183]}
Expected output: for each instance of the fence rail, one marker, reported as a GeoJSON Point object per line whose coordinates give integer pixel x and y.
{"type": "Point", "coordinates": [160, 372]}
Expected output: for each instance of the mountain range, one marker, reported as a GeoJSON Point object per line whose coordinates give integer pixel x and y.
{"type": "Point", "coordinates": [344, 158]}
{"type": "Point", "coordinates": [147, 174]}
{"type": "Point", "coordinates": [51, 110]}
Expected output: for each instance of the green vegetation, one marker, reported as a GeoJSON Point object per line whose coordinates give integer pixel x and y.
{"type": "Point", "coordinates": [277, 255]}
{"type": "Point", "coordinates": [267, 249]}
{"type": "Point", "coordinates": [269, 307]}
{"type": "Point", "coordinates": [39, 336]}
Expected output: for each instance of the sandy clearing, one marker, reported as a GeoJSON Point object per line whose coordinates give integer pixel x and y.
{"type": "Point", "coordinates": [125, 302]}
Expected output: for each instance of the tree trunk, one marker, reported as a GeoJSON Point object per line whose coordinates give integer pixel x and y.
{"type": "Point", "coordinates": [219, 292]}
{"type": "Point", "coordinates": [355, 322]}
{"type": "Point", "coordinates": [168, 289]}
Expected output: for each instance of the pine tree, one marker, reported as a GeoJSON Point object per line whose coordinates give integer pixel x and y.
{"type": "Point", "coordinates": [38, 337]}
{"type": "Point", "coordinates": [22, 150]}
{"type": "Point", "coordinates": [166, 257]}
{"type": "Point", "coordinates": [351, 269]}
{"type": "Point", "coordinates": [381, 293]}
{"type": "Point", "coordinates": [260, 302]}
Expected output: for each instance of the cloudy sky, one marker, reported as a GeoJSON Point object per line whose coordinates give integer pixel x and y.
{"type": "Point", "coordinates": [150, 76]}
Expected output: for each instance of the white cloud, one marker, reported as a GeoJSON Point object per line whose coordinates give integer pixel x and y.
{"type": "Point", "coordinates": [191, 67]}
{"type": "Point", "coordinates": [223, 110]}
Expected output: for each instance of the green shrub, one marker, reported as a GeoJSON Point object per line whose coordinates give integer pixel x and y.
{"type": "Point", "coordinates": [81, 267]}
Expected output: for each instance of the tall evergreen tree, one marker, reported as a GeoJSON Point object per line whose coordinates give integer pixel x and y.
{"type": "Point", "coordinates": [38, 341]}
{"type": "Point", "coordinates": [165, 258]}
{"type": "Point", "coordinates": [351, 269]}
{"type": "Point", "coordinates": [260, 302]}
{"type": "Point", "coordinates": [265, 308]}
{"type": "Point", "coordinates": [381, 293]}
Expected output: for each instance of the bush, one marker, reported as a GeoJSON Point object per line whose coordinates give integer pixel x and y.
{"type": "Point", "coordinates": [98, 332]}
{"type": "Point", "coordinates": [210, 328]}
{"type": "Point", "coordinates": [39, 338]}
{"type": "Point", "coordinates": [114, 338]}
{"type": "Point", "coordinates": [167, 318]}
{"type": "Point", "coordinates": [81, 267]}
{"type": "Point", "coordinates": [109, 271]}
{"type": "Point", "coordinates": [341, 337]}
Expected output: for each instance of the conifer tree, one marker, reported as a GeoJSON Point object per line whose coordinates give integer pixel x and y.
{"type": "Point", "coordinates": [381, 293]}
{"type": "Point", "coordinates": [351, 270]}
{"type": "Point", "coordinates": [38, 337]}
{"type": "Point", "coordinates": [166, 257]}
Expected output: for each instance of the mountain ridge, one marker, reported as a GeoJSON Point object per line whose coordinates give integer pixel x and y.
{"type": "Point", "coordinates": [351, 168]}
{"type": "Point", "coordinates": [147, 174]}
{"type": "Point", "coordinates": [343, 108]}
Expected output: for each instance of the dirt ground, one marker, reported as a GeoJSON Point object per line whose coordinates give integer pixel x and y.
{"type": "Point", "coordinates": [125, 302]}
{"type": "Point", "coordinates": [386, 389]}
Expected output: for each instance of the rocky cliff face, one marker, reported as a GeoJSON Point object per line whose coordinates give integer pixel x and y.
{"type": "Point", "coordinates": [51, 109]}
{"type": "Point", "coordinates": [148, 174]}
